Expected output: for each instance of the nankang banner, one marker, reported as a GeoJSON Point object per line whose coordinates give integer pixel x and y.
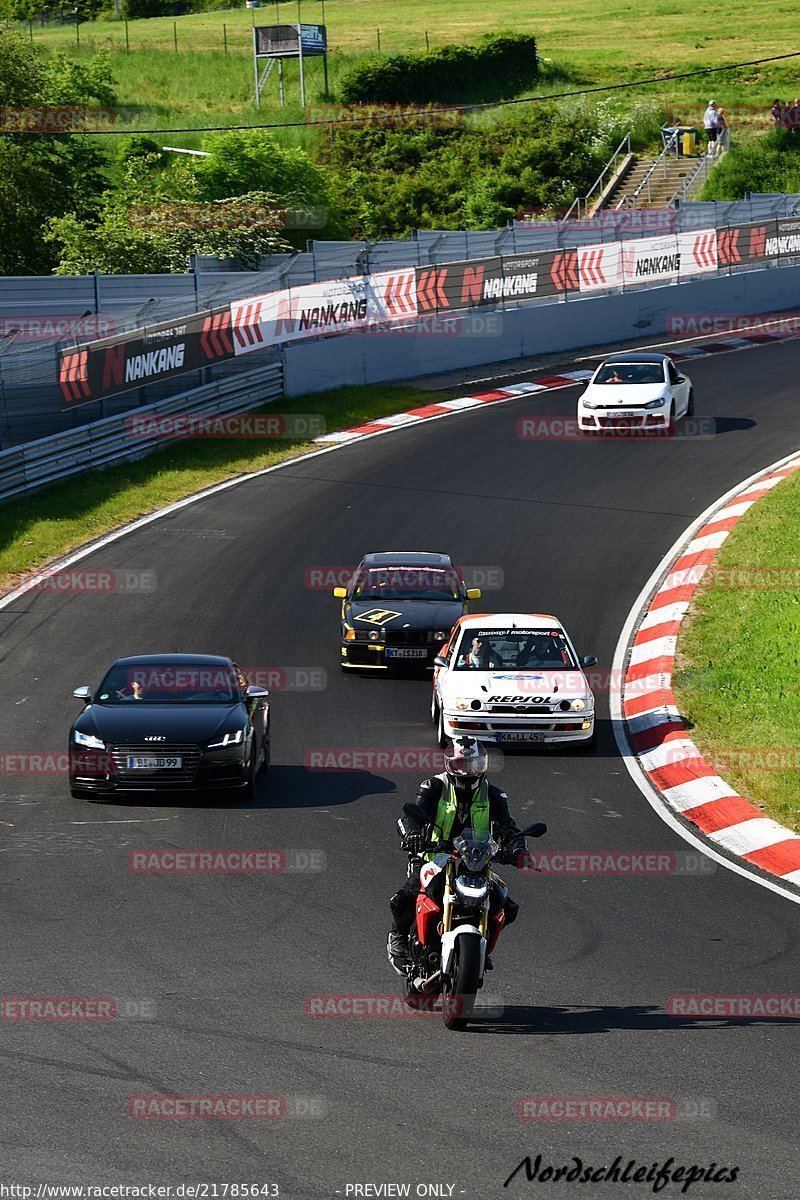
{"type": "Point", "coordinates": [113, 365]}
{"type": "Point", "coordinates": [374, 302]}
{"type": "Point", "coordinates": [785, 240]}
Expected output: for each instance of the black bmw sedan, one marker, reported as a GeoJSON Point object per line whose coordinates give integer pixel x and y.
{"type": "Point", "coordinates": [170, 723]}
{"type": "Point", "coordinates": [399, 608]}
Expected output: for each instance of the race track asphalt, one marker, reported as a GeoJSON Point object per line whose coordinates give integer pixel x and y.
{"type": "Point", "coordinates": [225, 962]}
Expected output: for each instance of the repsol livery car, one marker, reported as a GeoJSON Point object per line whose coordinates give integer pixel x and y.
{"type": "Point", "coordinates": [398, 609]}
{"type": "Point", "coordinates": [512, 677]}
{"type": "Point", "coordinates": [170, 722]}
{"type": "Point", "coordinates": [635, 393]}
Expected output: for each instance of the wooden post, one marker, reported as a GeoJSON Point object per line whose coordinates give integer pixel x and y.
{"type": "Point", "coordinates": [127, 43]}
{"type": "Point", "coordinates": [175, 34]}
{"type": "Point", "coordinates": [225, 36]}
{"type": "Point", "coordinates": [427, 42]}
{"type": "Point", "coordinates": [379, 38]}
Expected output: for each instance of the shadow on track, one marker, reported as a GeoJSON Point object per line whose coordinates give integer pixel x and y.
{"type": "Point", "coordinates": [530, 1020]}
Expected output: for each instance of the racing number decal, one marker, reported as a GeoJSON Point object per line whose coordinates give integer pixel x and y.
{"type": "Point", "coordinates": [378, 616]}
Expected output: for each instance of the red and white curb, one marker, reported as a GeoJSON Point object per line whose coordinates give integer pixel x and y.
{"type": "Point", "coordinates": [657, 734]}
{"type": "Point", "coordinates": [446, 408]}
{"type": "Point", "coordinates": [544, 383]}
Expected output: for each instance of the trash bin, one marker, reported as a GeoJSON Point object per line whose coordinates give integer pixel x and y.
{"type": "Point", "coordinates": [688, 141]}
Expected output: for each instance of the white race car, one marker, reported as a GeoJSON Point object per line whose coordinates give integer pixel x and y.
{"type": "Point", "coordinates": [512, 677]}
{"type": "Point", "coordinates": [635, 392]}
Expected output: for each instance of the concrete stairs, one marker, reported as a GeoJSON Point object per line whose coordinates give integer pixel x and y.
{"type": "Point", "coordinates": [668, 176]}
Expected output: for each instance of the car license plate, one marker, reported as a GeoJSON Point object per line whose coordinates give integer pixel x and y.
{"type": "Point", "coordinates": [141, 762]}
{"type": "Point", "coordinates": [404, 652]}
{"type": "Point", "coordinates": [519, 737]}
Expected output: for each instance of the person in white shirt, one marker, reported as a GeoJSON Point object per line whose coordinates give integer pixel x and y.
{"type": "Point", "coordinates": [711, 125]}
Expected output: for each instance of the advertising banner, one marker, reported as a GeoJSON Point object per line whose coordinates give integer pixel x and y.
{"type": "Point", "coordinates": [330, 306]}
{"type": "Point", "coordinates": [745, 243]}
{"type": "Point", "coordinates": [117, 364]}
{"type": "Point", "coordinates": [600, 267]}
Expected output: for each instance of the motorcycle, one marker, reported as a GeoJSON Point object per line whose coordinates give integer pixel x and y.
{"type": "Point", "coordinates": [457, 923]}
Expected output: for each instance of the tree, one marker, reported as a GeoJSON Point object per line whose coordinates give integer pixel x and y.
{"type": "Point", "coordinates": [44, 174]}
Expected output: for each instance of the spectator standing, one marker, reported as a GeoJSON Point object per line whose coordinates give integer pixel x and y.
{"type": "Point", "coordinates": [793, 116]}
{"type": "Point", "coordinates": [776, 112]}
{"type": "Point", "coordinates": [711, 125]}
{"type": "Point", "coordinates": [723, 133]}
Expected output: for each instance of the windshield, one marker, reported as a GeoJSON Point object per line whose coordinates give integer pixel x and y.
{"type": "Point", "coordinates": [475, 848]}
{"type": "Point", "coordinates": [408, 583]}
{"type": "Point", "coordinates": [176, 682]}
{"type": "Point", "coordinates": [528, 649]}
{"type": "Point", "coordinates": [627, 372]}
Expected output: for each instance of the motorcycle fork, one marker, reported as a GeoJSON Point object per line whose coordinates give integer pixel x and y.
{"type": "Point", "coordinates": [448, 900]}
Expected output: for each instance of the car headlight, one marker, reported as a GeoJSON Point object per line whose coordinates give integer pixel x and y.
{"type": "Point", "coordinates": [229, 739]}
{"type": "Point", "coordinates": [591, 403]}
{"type": "Point", "coordinates": [462, 703]}
{"type": "Point", "coordinates": [88, 740]}
{"type": "Point", "coordinates": [659, 403]}
{"type": "Point", "coordinates": [440, 636]}
{"type": "Point", "coordinates": [578, 705]}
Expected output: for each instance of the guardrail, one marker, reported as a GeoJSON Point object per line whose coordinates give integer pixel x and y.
{"type": "Point", "coordinates": [25, 468]}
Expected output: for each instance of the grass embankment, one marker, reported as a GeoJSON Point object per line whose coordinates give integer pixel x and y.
{"type": "Point", "coordinates": [739, 655]}
{"type": "Point", "coordinates": [38, 528]}
{"type": "Point", "coordinates": [593, 41]}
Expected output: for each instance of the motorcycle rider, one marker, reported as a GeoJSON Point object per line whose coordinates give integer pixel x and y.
{"type": "Point", "coordinates": [460, 797]}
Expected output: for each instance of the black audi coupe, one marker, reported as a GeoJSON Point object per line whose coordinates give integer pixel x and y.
{"type": "Point", "coordinates": [170, 723]}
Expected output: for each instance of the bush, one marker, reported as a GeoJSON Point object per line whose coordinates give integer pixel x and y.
{"type": "Point", "coordinates": [770, 163]}
{"type": "Point", "coordinates": [498, 66]}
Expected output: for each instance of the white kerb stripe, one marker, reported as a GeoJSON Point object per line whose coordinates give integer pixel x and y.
{"type": "Point", "coordinates": [657, 648]}
{"type": "Point", "coordinates": [698, 791]}
{"type": "Point", "coordinates": [669, 753]}
{"type": "Point", "coordinates": [344, 436]}
{"type": "Point", "coordinates": [732, 510]}
{"type": "Point", "coordinates": [752, 835]}
{"type": "Point", "coordinates": [686, 576]}
{"type": "Point", "coordinates": [711, 541]}
{"type": "Point", "coordinates": [665, 714]}
{"type": "Point", "coordinates": [661, 616]}
{"type": "Point", "coordinates": [397, 419]}
{"type": "Point", "coordinates": [461, 402]}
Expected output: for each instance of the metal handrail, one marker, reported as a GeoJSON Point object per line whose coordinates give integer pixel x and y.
{"type": "Point", "coordinates": [598, 183]}
{"type": "Point", "coordinates": [703, 167]}
{"type": "Point", "coordinates": [670, 144]}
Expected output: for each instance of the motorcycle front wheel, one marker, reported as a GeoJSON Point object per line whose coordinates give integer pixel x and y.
{"type": "Point", "coordinates": [459, 992]}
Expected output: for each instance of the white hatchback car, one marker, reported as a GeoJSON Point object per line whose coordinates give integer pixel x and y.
{"type": "Point", "coordinates": [512, 677]}
{"type": "Point", "coordinates": [635, 392]}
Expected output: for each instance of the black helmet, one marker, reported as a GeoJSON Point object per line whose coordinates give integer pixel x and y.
{"type": "Point", "coordinates": [466, 763]}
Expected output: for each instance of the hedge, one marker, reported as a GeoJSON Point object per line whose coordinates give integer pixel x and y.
{"type": "Point", "coordinates": [499, 65]}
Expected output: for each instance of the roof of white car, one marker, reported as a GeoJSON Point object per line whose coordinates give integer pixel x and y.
{"type": "Point", "coordinates": [507, 620]}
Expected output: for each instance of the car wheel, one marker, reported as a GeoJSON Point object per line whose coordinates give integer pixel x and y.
{"type": "Point", "coordinates": [690, 404]}
{"type": "Point", "coordinates": [441, 737]}
{"type": "Point", "coordinates": [263, 766]}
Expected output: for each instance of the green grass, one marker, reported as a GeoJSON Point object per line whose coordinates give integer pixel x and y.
{"type": "Point", "coordinates": [36, 529]}
{"type": "Point", "coordinates": [595, 41]}
{"type": "Point", "coordinates": [739, 655]}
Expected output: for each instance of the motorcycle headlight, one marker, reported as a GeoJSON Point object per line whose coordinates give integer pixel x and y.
{"type": "Point", "coordinates": [578, 705]}
{"type": "Point", "coordinates": [659, 403]}
{"type": "Point", "coordinates": [88, 740]}
{"type": "Point", "coordinates": [472, 887]}
{"type": "Point", "coordinates": [228, 739]}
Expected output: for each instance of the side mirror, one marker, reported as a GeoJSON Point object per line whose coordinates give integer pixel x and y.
{"type": "Point", "coordinates": [473, 593]}
{"type": "Point", "coordinates": [254, 691]}
{"type": "Point", "coordinates": [416, 812]}
{"type": "Point", "coordinates": [535, 830]}
{"type": "Point", "coordinates": [681, 379]}
{"type": "Point", "coordinates": [340, 593]}
{"type": "Point", "coordinates": [83, 693]}
{"type": "Point", "coordinates": [439, 661]}
{"type": "Point", "coordinates": [589, 661]}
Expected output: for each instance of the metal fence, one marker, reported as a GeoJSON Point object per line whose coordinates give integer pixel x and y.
{"type": "Point", "coordinates": [35, 312]}
{"type": "Point", "coordinates": [25, 468]}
